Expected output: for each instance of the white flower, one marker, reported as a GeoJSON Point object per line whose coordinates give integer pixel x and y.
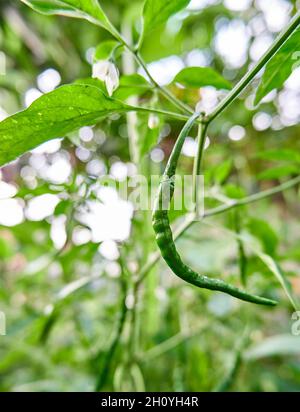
{"type": "Point", "coordinates": [153, 121]}
{"type": "Point", "coordinates": [100, 69]}
{"type": "Point", "coordinates": [107, 72]}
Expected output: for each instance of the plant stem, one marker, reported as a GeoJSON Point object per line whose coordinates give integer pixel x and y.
{"type": "Point", "coordinates": [171, 343]}
{"type": "Point", "coordinates": [254, 198]}
{"type": "Point", "coordinates": [202, 129]}
{"type": "Point", "coordinates": [190, 218]}
{"type": "Point", "coordinates": [102, 379]}
{"type": "Point", "coordinates": [163, 91]}
{"type": "Point", "coordinates": [241, 249]}
{"type": "Point", "coordinates": [178, 103]}
{"type": "Point", "coordinates": [133, 339]}
{"type": "Point", "coordinates": [243, 83]}
{"type": "Point", "coordinates": [231, 376]}
{"type": "Point", "coordinates": [129, 68]}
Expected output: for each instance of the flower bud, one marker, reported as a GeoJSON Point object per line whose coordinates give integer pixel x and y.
{"type": "Point", "coordinates": [107, 72]}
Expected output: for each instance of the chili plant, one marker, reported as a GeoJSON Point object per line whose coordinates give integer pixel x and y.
{"type": "Point", "coordinates": [121, 96]}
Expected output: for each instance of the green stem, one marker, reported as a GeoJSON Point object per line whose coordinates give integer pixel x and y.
{"type": "Point", "coordinates": [243, 83]}
{"type": "Point", "coordinates": [132, 120]}
{"type": "Point", "coordinates": [254, 198]}
{"type": "Point", "coordinates": [168, 95]}
{"type": "Point", "coordinates": [241, 249]}
{"type": "Point", "coordinates": [163, 91]}
{"type": "Point", "coordinates": [133, 339]}
{"type": "Point", "coordinates": [231, 376]}
{"type": "Point", "coordinates": [177, 116]}
{"type": "Point", "coordinates": [202, 129]}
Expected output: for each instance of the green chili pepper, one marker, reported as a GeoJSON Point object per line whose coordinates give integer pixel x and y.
{"type": "Point", "coordinates": [164, 236]}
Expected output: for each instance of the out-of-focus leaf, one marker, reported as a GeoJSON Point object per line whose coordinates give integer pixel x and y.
{"type": "Point", "coordinates": [274, 267]}
{"type": "Point", "coordinates": [5, 248]}
{"type": "Point", "coordinates": [265, 233]}
{"type": "Point", "coordinates": [277, 172]}
{"type": "Point", "coordinates": [222, 171]}
{"type": "Point", "coordinates": [84, 9]}
{"type": "Point", "coordinates": [201, 76]}
{"type": "Point", "coordinates": [129, 379]}
{"type": "Point", "coordinates": [232, 373]}
{"type": "Point", "coordinates": [39, 190]}
{"type": "Point", "coordinates": [280, 154]}
{"type": "Point", "coordinates": [279, 67]}
{"type": "Point", "coordinates": [137, 378]}
{"type": "Point", "coordinates": [234, 192]}
{"type": "Point", "coordinates": [274, 346]}
{"type": "Point", "coordinates": [157, 12]}
{"type": "Point", "coordinates": [130, 85]}
{"type": "Point", "coordinates": [280, 276]}
{"type": "Point", "coordinates": [74, 287]}
{"type": "Point", "coordinates": [63, 207]}
{"type": "Point", "coordinates": [53, 310]}
{"type": "Point", "coordinates": [54, 115]}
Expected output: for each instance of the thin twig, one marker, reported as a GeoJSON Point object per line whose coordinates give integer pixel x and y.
{"type": "Point", "coordinates": [102, 379]}
{"type": "Point", "coordinates": [171, 343]}
{"type": "Point", "coordinates": [165, 92]}
{"type": "Point", "coordinates": [227, 382]}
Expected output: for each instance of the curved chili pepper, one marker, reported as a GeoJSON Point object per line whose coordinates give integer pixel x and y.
{"type": "Point", "coordinates": [164, 236]}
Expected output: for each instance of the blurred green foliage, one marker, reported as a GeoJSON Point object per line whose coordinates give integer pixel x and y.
{"type": "Point", "coordinates": [65, 304]}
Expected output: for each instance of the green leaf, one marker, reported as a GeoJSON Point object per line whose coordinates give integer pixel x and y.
{"type": "Point", "coordinates": [54, 115]}
{"type": "Point", "coordinates": [271, 264]}
{"type": "Point", "coordinates": [234, 191]}
{"type": "Point", "coordinates": [63, 207]}
{"type": "Point", "coordinates": [265, 233]}
{"type": "Point", "coordinates": [157, 12]}
{"type": "Point", "coordinates": [60, 299]}
{"type": "Point", "coordinates": [105, 50]}
{"type": "Point", "coordinates": [83, 9]}
{"type": "Point", "coordinates": [277, 172]}
{"type": "Point", "coordinates": [276, 345]}
{"type": "Point", "coordinates": [280, 155]}
{"type": "Point", "coordinates": [222, 171]}
{"type": "Point", "coordinates": [279, 67]}
{"type": "Point", "coordinates": [131, 85]}
{"type": "Point", "coordinates": [280, 276]}
{"type": "Point", "coordinates": [201, 76]}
